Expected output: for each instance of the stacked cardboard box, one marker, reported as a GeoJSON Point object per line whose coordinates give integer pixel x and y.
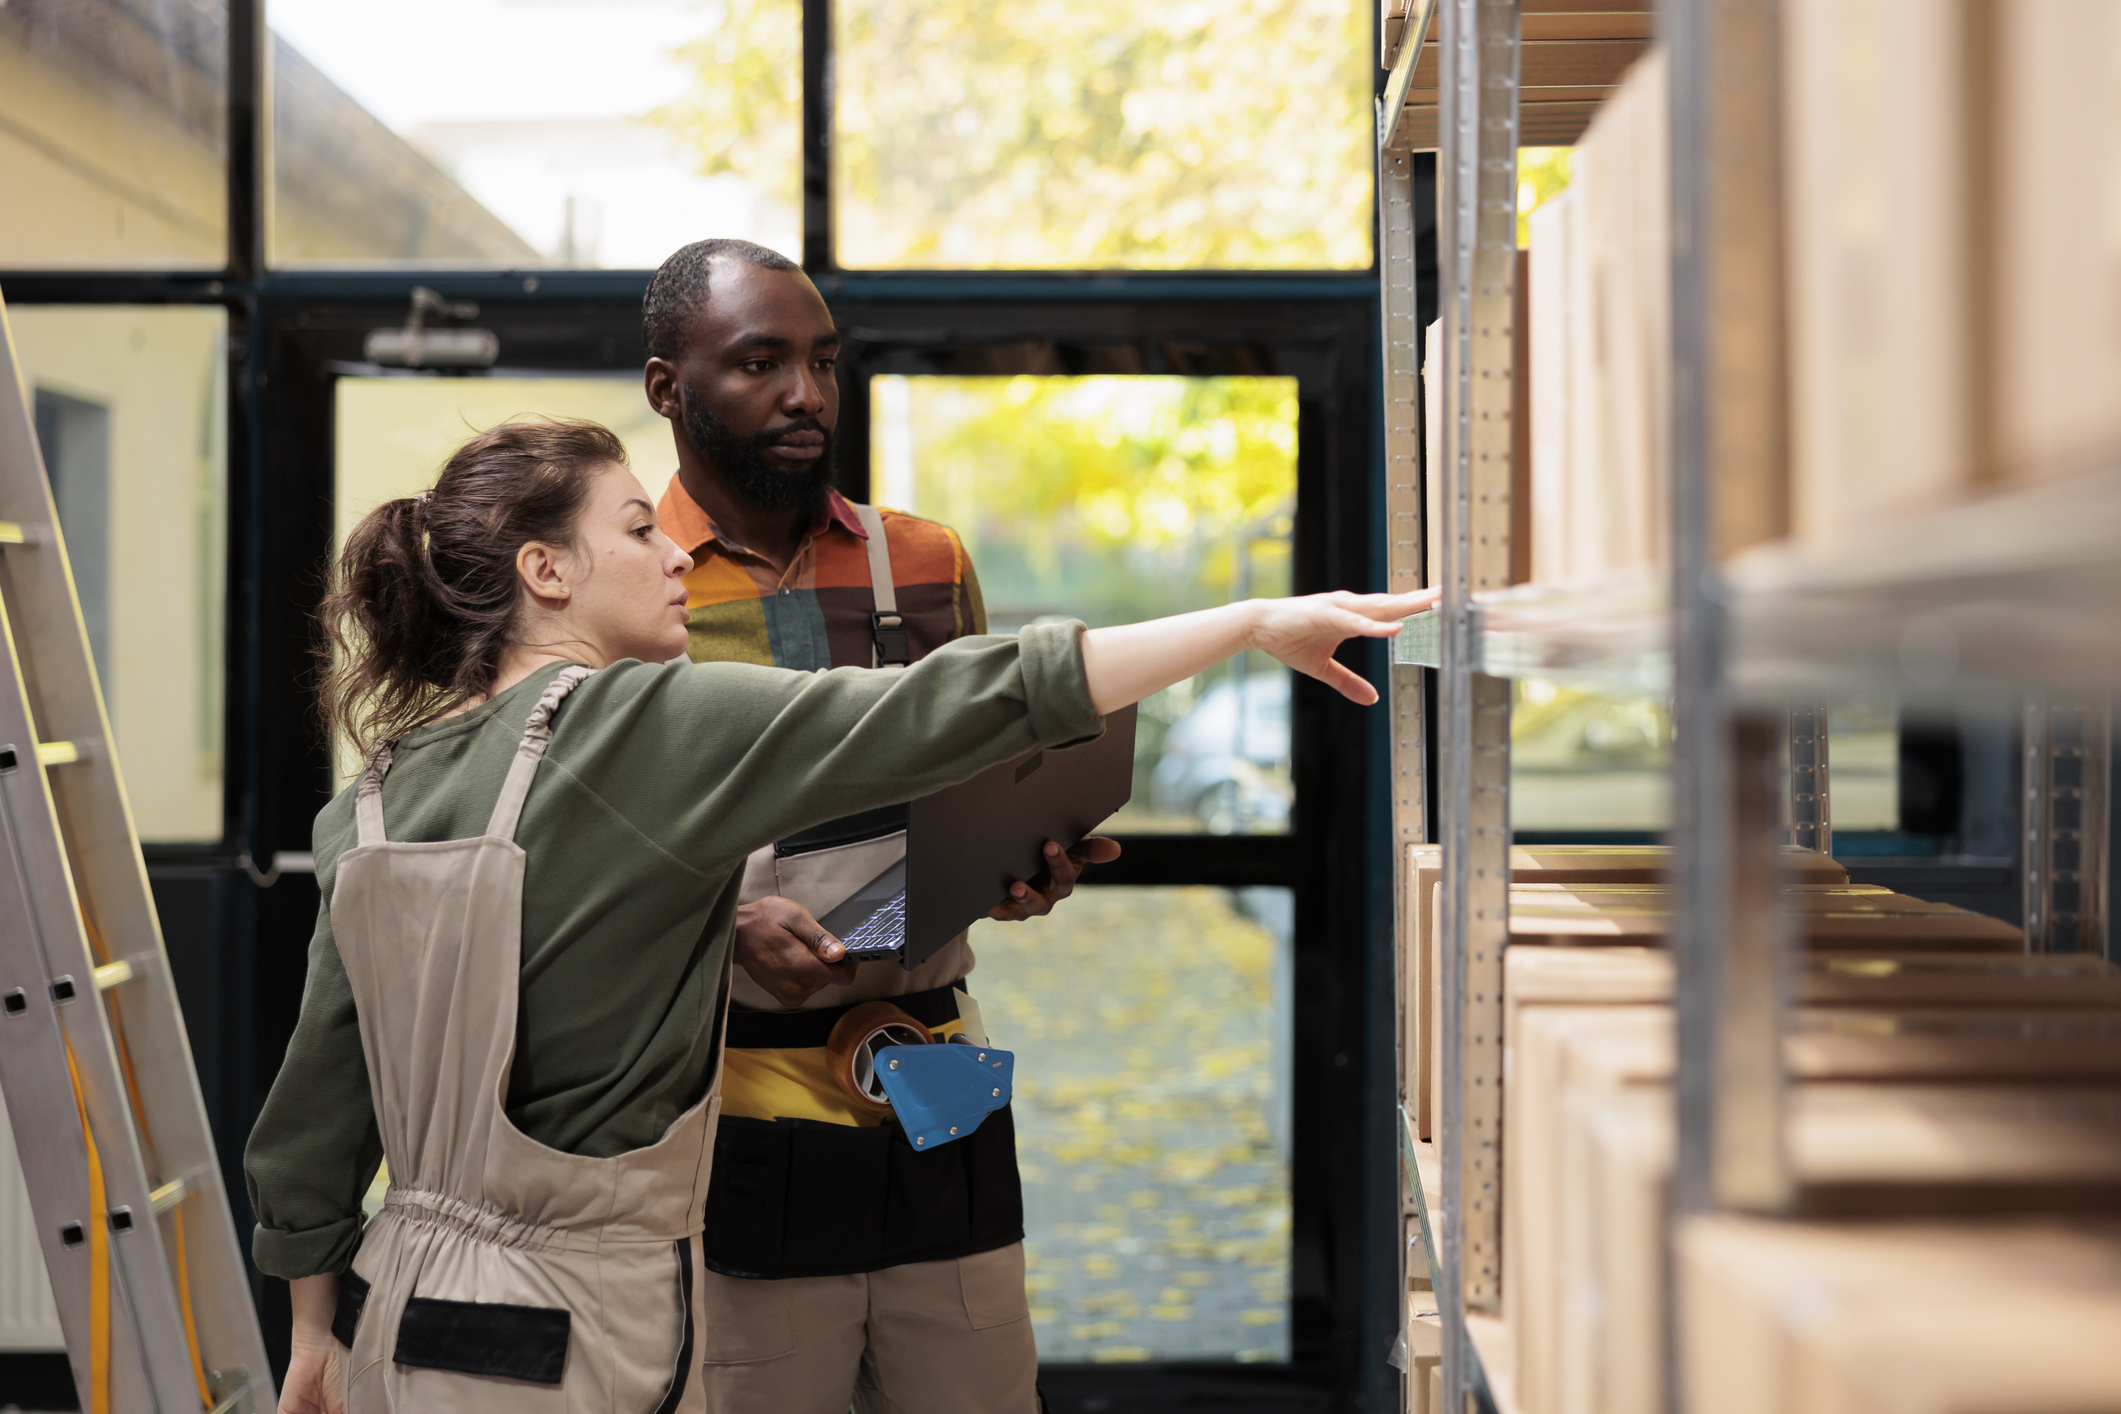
{"type": "Point", "coordinates": [2009, 1316]}
{"type": "Point", "coordinates": [1880, 353]}
{"type": "Point", "coordinates": [1529, 864]}
{"type": "Point", "coordinates": [1600, 343]}
{"type": "Point", "coordinates": [1950, 276]}
{"type": "Point", "coordinates": [2055, 367]}
{"type": "Point", "coordinates": [1950, 192]}
{"type": "Point", "coordinates": [1610, 896]}
{"type": "Point", "coordinates": [1924, 1082]}
{"type": "Point", "coordinates": [1424, 1351]}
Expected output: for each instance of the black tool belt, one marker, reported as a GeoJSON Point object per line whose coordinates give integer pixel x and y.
{"type": "Point", "coordinates": [802, 1198]}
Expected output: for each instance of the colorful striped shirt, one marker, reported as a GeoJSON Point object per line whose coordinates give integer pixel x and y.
{"type": "Point", "coordinates": [816, 615]}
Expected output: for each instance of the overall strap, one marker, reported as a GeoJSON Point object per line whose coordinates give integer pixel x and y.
{"type": "Point", "coordinates": [537, 735]}
{"type": "Point", "coordinates": [887, 627]}
{"type": "Point", "coordinates": [368, 800]}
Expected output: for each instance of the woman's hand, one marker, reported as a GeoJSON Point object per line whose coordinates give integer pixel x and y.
{"type": "Point", "coordinates": [1127, 663]}
{"type": "Point", "coordinates": [314, 1384]}
{"type": "Point", "coordinates": [786, 951]}
{"type": "Point", "coordinates": [1303, 633]}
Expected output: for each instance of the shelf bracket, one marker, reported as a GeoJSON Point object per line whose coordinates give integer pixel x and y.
{"type": "Point", "coordinates": [2068, 765]}
{"type": "Point", "coordinates": [1811, 801]}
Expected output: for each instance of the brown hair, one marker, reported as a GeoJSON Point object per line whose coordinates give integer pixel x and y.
{"type": "Point", "coordinates": [425, 598]}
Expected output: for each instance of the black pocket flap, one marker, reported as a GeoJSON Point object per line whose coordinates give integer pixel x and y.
{"type": "Point", "coordinates": [484, 1338]}
{"type": "Point", "coordinates": [353, 1295]}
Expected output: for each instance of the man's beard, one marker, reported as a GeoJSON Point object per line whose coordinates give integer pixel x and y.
{"type": "Point", "coordinates": [742, 460]}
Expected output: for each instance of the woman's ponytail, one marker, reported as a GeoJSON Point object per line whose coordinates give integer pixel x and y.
{"type": "Point", "coordinates": [425, 598]}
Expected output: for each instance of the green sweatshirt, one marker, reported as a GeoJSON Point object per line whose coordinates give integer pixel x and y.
{"type": "Point", "coordinates": [659, 781]}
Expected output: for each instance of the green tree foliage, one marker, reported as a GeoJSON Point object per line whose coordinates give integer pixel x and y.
{"type": "Point", "coordinates": [1110, 498]}
{"type": "Point", "coordinates": [1542, 175]}
{"type": "Point", "coordinates": [743, 111]}
{"type": "Point", "coordinates": [1062, 133]}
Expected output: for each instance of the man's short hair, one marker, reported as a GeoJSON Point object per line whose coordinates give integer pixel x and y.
{"type": "Point", "coordinates": [679, 289]}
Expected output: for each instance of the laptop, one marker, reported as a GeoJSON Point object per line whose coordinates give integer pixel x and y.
{"type": "Point", "coordinates": [966, 844]}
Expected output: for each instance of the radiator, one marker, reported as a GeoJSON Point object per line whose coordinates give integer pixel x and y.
{"type": "Point", "coordinates": [29, 1320]}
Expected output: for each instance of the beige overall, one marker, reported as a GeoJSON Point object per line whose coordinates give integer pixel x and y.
{"type": "Point", "coordinates": [601, 1252]}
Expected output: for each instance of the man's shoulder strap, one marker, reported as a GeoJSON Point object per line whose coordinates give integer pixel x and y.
{"type": "Point", "coordinates": [889, 646]}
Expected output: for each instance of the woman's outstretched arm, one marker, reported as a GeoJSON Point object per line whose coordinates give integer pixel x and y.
{"type": "Point", "coordinates": [1127, 663]}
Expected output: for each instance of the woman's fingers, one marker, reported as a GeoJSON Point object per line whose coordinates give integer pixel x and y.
{"type": "Point", "coordinates": [1351, 685]}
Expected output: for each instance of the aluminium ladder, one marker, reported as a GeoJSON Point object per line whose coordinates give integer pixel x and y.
{"type": "Point", "coordinates": [95, 1066]}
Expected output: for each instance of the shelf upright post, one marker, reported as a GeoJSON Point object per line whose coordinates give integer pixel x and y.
{"type": "Point", "coordinates": [2068, 746]}
{"type": "Point", "coordinates": [1401, 336]}
{"type": "Point", "coordinates": [1402, 339]}
{"type": "Point", "coordinates": [1728, 440]}
{"type": "Point", "coordinates": [1811, 795]}
{"type": "Point", "coordinates": [1477, 240]}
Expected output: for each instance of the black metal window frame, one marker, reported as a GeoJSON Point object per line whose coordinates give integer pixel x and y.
{"type": "Point", "coordinates": [292, 333]}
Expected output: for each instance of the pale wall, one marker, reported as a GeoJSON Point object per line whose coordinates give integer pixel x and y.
{"type": "Point", "coordinates": [159, 371]}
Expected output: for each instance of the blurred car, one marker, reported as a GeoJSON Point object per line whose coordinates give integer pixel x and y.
{"type": "Point", "coordinates": [1577, 732]}
{"type": "Point", "coordinates": [1227, 760]}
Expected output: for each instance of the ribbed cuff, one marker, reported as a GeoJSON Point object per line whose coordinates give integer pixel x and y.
{"type": "Point", "coordinates": [1057, 692]}
{"type": "Point", "coordinates": [307, 1253]}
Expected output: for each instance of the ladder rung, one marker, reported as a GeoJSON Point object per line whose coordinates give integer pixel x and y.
{"type": "Point", "coordinates": [234, 1398]}
{"type": "Point", "coordinates": [113, 974]}
{"type": "Point", "coordinates": [57, 753]}
{"type": "Point", "coordinates": [170, 1194]}
{"type": "Point", "coordinates": [11, 533]}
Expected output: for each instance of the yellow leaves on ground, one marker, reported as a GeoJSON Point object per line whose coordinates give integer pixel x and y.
{"type": "Point", "coordinates": [1143, 1025]}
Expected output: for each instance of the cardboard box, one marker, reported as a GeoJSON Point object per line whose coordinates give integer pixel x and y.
{"type": "Point", "coordinates": [1880, 349]}
{"type": "Point", "coordinates": [1958, 979]}
{"type": "Point", "coordinates": [1424, 1349]}
{"type": "Point", "coordinates": [1910, 982]}
{"type": "Point", "coordinates": [1559, 1050]}
{"type": "Point", "coordinates": [1863, 1151]}
{"type": "Point", "coordinates": [1554, 367]}
{"type": "Point", "coordinates": [1973, 1317]}
{"type": "Point", "coordinates": [2054, 369]}
{"type": "Point", "coordinates": [1557, 864]}
{"type": "Point", "coordinates": [1832, 917]}
{"type": "Point", "coordinates": [1614, 1267]}
{"type": "Point", "coordinates": [1616, 279]}
{"type": "Point", "coordinates": [1954, 1043]}
{"type": "Point", "coordinates": [1588, 1141]}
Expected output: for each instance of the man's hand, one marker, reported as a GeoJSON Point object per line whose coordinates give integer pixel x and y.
{"type": "Point", "coordinates": [1063, 868]}
{"type": "Point", "coordinates": [786, 951]}
{"type": "Point", "coordinates": [313, 1384]}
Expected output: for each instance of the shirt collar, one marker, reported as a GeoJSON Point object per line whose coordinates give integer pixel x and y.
{"type": "Point", "coordinates": [693, 529]}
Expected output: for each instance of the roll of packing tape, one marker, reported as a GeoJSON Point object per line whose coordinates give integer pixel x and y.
{"type": "Point", "coordinates": [855, 1040]}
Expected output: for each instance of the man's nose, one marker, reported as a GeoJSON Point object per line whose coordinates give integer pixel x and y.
{"type": "Point", "coordinates": [805, 394]}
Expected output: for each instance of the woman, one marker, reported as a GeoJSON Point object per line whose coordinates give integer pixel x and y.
{"type": "Point", "coordinates": [518, 977]}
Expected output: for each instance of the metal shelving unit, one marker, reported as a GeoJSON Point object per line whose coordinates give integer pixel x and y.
{"type": "Point", "coordinates": [2012, 603]}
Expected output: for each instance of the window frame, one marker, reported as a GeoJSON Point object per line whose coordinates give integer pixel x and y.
{"type": "Point", "coordinates": [291, 333]}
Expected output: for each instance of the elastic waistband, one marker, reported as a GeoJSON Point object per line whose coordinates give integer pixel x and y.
{"type": "Point", "coordinates": [485, 1223]}
{"type": "Point", "coordinates": [788, 1030]}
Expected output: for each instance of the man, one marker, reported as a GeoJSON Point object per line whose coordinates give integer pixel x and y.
{"type": "Point", "coordinates": [844, 1266]}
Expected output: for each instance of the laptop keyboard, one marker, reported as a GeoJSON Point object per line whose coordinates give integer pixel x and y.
{"type": "Point", "coordinates": [883, 931]}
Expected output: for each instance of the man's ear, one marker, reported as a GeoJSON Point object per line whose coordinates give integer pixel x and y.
{"type": "Point", "coordinates": [547, 572]}
{"type": "Point", "coordinates": [664, 387]}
